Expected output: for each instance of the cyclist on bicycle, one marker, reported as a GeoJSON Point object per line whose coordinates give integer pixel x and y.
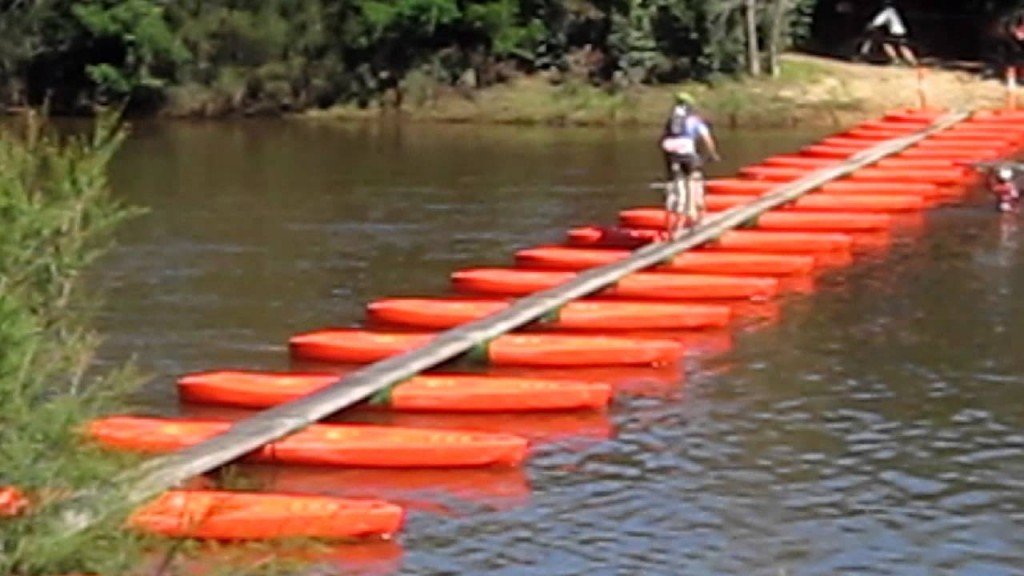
{"type": "Point", "coordinates": [684, 130]}
{"type": "Point", "coordinates": [888, 30]}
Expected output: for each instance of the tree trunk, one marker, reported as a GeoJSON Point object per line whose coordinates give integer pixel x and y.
{"type": "Point", "coordinates": [753, 51]}
{"type": "Point", "coordinates": [779, 10]}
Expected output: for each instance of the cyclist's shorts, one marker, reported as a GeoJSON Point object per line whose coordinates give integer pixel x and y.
{"type": "Point", "coordinates": [688, 163]}
{"type": "Point", "coordinates": [883, 35]}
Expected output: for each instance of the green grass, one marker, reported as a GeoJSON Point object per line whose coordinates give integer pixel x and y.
{"type": "Point", "coordinates": [737, 101]}
{"type": "Point", "coordinates": [801, 71]}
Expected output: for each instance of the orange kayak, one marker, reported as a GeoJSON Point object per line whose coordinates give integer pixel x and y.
{"type": "Point", "coordinates": [950, 175]}
{"type": "Point", "coordinates": [209, 514]}
{"type": "Point", "coordinates": [834, 151]}
{"type": "Point", "coordinates": [577, 315]}
{"type": "Point", "coordinates": [915, 163]}
{"type": "Point", "coordinates": [979, 126]}
{"type": "Point", "coordinates": [795, 242]}
{"type": "Point", "coordinates": [351, 345]}
{"type": "Point", "coordinates": [956, 155]}
{"type": "Point", "coordinates": [846, 142]}
{"type": "Point", "coordinates": [733, 186]}
{"type": "Point", "coordinates": [427, 393]}
{"type": "Point", "coordinates": [12, 501]}
{"type": "Point", "coordinates": [1007, 116]}
{"type": "Point", "coordinates": [820, 202]}
{"type": "Point", "coordinates": [324, 444]}
{"type": "Point", "coordinates": [797, 161]}
{"type": "Point", "coordinates": [612, 237]}
{"type": "Point", "coordinates": [983, 124]}
{"type": "Point", "coordinates": [965, 146]}
{"type": "Point", "coordinates": [775, 220]}
{"type": "Point", "coordinates": [995, 137]}
{"type": "Point", "coordinates": [692, 261]}
{"type": "Point", "coordinates": [940, 176]}
{"type": "Point", "coordinates": [798, 221]}
{"type": "Point", "coordinates": [658, 285]}
{"type": "Point", "coordinates": [814, 243]}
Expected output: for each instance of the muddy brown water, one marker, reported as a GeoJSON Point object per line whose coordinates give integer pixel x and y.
{"type": "Point", "coordinates": [876, 426]}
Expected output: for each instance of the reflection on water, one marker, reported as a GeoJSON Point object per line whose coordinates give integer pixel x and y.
{"type": "Point", "coordinates": [423, 490]}
{"type": "Point", "coordinates": [872, 425]}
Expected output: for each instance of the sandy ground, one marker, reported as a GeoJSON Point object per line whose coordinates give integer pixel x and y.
{"type": "Point", "coordinates": [811, 91]}
{"type": "Point", "coordinates": [877, 87]}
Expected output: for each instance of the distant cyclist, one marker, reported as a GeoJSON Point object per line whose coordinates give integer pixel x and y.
{"type": "Point", "coordinates": [888, 30]}
{"type": "Point", "coordinates": [684, 134]}
{"type": "Point", "coordinates": [1004, 186]}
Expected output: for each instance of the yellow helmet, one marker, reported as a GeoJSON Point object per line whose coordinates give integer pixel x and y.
{"type": "Point", "coordinates": [684, 98]}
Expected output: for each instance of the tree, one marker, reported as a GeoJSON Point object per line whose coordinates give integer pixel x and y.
{"type": "Point", "coordinates": [130, 39]}
{"type": "Point", "coordinates": [753, 45]}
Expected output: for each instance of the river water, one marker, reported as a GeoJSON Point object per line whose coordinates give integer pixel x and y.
{"type": "Point", "coordinates": [875, 427]}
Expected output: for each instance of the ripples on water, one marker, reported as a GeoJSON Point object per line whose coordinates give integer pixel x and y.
{"type": "Point", "coordinates": [874, 427]}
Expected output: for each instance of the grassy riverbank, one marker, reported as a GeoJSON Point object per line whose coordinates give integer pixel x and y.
{"type": "Point", "coordinates": [810, 91]}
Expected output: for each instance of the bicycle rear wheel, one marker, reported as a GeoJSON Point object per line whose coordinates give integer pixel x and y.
{"type": "Point", "coordinates": [695, 198]}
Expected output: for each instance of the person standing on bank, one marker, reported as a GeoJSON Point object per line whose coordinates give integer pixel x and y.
{"type": "Point", "coordinates": [887, 28]}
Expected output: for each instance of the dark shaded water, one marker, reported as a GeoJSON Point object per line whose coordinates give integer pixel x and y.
{"type": "Point", "coordinates": [877, 428]}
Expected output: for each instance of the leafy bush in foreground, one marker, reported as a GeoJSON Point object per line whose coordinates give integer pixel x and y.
{"type": "Point", "coordinates": [57, 217]}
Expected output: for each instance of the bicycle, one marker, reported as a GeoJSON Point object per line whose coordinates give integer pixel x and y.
{"type": "Point", "coordinates": [683, 196]}
{"type": "Point", "coordinates": [684, 200]}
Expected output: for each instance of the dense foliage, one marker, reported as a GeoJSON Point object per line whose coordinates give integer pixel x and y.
{"type": "Point", "coordinates": [217, 56]}
{"type": "Point", "coordinates": [58, 216]}
{"type": "Point", "coordinates": [225, 55]}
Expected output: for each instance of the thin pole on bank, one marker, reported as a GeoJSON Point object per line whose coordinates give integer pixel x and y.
{"type": "Point", "coordinates": [247, 435]}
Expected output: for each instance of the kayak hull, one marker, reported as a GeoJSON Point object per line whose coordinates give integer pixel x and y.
{"type": "Point", "coordinates": [651, 285]}
{"type": "Point", "coordinates": [815, 243]}
{"type": "Point", "coordinates": [735, 186]}
{"type": "Point", "coordinates": [427, 393]}
{"type": "Point", "coordinates": [354, 346]}
{"type": "Point", "coordinates": [776, 220]}
{"type": "Point", "coordinates": [797, 161]}
{"type": "Point", "coordinates": [820, 202]}
{"type": "Point", "coordinates": [692, 261]}
{"type": "Point", "coordinates": [577, 315]}
{"type": "Point", "coordinates": [207, 514]}
{"type": "Point", "coordinates": [323, 444]}
{"type": "Point", "coordinates": [951, 175]}
{"type": "Point", "coordinates": [835, 151]}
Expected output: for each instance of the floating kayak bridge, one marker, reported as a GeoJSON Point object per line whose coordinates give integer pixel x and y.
{"type": "Point", "coordinates": [919, 149]}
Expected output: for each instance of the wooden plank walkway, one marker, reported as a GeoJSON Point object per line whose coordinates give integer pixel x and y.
{"type": "Point", "coordinates": [169, 471]}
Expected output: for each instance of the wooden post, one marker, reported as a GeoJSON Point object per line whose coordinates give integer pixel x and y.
{"type": "Point", "coordinates": [778, 19]}
{"type": "Point", "coordinates": [753, 49]}
{"type": "Point", "coordinates": [922, 93]}
{"type": "Point", "coordinates": [1011, 87]}
{"type": "Point", "coordinates": [252, 433]}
